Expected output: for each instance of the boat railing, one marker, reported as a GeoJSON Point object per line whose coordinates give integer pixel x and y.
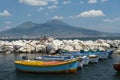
{"type": "Point", "coordinates": [54, 58]}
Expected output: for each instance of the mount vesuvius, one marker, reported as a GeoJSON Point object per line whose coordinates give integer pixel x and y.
{"type": "Point", "coordinates": [54, 28]}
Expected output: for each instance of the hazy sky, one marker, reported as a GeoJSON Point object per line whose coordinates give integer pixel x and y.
{"type": "Point", "coordinates": [102, 15]}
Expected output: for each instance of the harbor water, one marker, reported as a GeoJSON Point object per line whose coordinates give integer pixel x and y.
{"type": "Point", "coordinates": [103, 70]}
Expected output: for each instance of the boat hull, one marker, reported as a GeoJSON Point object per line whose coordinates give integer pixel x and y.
{"type": "Point", "coordinates": [103, 55]}
{"type": "Point", "coordinates": [85, 60]}
{"type": "Point", "coordinates": [66, 67]}
{"type": "Point", "coordinates": [93, 58]}
{"type": "Point", "coordinates": [116, 66]}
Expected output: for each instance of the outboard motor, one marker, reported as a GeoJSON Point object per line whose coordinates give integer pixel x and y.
{"type": "Point", "coordinates": [24, 57]}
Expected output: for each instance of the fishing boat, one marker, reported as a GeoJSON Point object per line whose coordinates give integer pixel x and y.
{"type": "Point", "coordinates": [102, 54]}
{"type": "Point", "coordinates": [97, 54]}
{"type": "Point", "coordinates": [84, 59]}
{"type": "Point", "coordinates": [93, 58]}
{"type": "Point", "coordinates": [116, 66]}
{"type": "Point", "coordinates": [110, 52]}
{"type": "Point", "coordinates": [39, 66]}
{"type": "Point", "coordinates": [61, 58]}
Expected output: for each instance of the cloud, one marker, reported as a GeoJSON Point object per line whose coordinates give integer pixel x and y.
{"type": "Point", "coordinates": [8, 27]}
{"type": "Point", "coordinates": [54, 1]}
{"type": "Point", "coordinates": [47, 13]}
{"type": "Point", "coordinates": [40, 9]}
{"type": "Point", "coordinates": [34, 2]}
{"type": "Point", "coordinates": [103, 0]}
{"type": "Point", "coordinates": [81, 2]}
{"type": "Point", "coordinates": [108, 20]}
{"type": "Point", "coordinates": [8, 22]}
{"type": "Point", "coordinates": [29, 15]}
{"type": "Point", "coordinates": [38, 2]}
{"type": "Point", "coordinates": [92, 1]}
{"type": "Point", "coordinates": [112, 20]}
{"type": "Point", "coordinates": [96, 1]}
{"type": "Point", "coordinates": [91, 13]}
{"type": "Point", "coordinates": [66, 2]}
{"type": "Point", "coordinates": [5, 13]}
{"type": "Point", "coordinates": [52, 7]}
{"type": "Point", "coordinates": [58, 17]}
{"type": "Point", "coordinates": [72, 16]}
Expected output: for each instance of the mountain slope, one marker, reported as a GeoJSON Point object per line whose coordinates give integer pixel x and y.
{"type": "Point", "coordinates": [55, 28]}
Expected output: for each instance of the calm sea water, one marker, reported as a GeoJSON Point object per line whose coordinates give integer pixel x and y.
{"type": "Point", "coordinates": [102, 70]}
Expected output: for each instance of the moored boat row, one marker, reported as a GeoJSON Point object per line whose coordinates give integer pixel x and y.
{"type": "Point", "coordinates": [65, 62]}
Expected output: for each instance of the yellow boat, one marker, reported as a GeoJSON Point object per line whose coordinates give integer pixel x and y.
{"type": "Point", "coordinates": [47, 66]}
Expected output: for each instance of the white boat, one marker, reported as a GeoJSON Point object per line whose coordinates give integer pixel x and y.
{"type": "Point", "coordinates": [93, 58]}
{"type": "Point", "coordinates": [85, 60]}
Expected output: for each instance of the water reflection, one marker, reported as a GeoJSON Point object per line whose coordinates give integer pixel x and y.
{"type": "Point", "coordinates": [39, 76]}
{"type": "Point", "coordinates": [117, 76]}
{"type": "Point", "coordinates": [116, 57]}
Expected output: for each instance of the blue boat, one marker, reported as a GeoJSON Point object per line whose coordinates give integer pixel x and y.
{"type": "Point", "coordinates": [83, 59]}
{"type": "Point", "coordinates": [47, 66]}
{"type": "Point", "coordinates": [110, 52]}
{"type": "Point", "coordinates": [86, 56]}
{"type": "Point", "coordinates": [100, 54]}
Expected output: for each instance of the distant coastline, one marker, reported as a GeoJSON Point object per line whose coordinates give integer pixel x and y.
{"type": "Point", "coordinates": [80, 38]}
